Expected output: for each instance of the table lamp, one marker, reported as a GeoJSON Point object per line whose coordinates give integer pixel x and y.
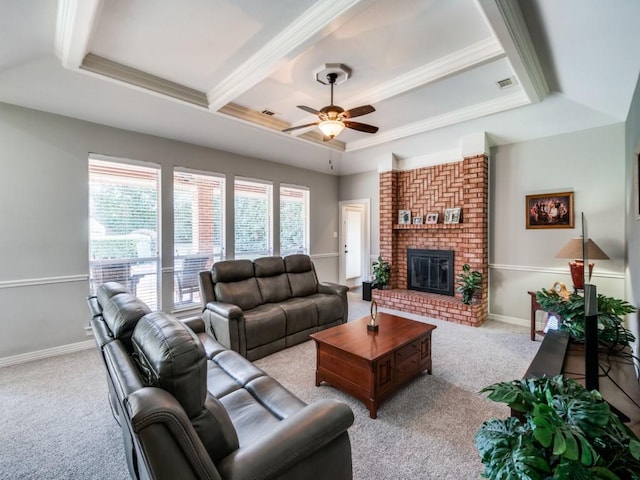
{"type": "Point", "coordinates": [573, 249]}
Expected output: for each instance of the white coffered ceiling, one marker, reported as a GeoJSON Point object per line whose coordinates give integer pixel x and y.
{"type": "Point", "coordinates": [202, 71]}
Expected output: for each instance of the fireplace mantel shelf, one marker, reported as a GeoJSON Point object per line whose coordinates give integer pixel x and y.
{"type": "Point", "coordinates": [426, 226]}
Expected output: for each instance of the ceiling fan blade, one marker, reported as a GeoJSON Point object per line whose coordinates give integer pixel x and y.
{"type": "Point", "coordinates": [309, 109]}
{"type": "Point", "coordinates": [361, 127]}
{"type": "Point", "coordinates": [356, 112]}
{"type": "Point", "coordinates": [300, 126]}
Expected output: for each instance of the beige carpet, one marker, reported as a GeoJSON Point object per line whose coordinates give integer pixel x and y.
{"type": "Point", "coordinates": [56, 422]}
{"type": "Point", "coordinates": [426, 430]}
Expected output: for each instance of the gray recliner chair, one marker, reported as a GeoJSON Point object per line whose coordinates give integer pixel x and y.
{"type": "Point", "coordinates": [191, 409]}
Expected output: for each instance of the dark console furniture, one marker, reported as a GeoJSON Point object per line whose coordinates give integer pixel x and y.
{"type": "Point", "coordinates": [618, 382]}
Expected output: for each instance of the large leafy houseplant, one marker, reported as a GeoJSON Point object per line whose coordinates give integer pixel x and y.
{"type": "Point", "coordinates": [611, 311]}
{"type": "Point", "coordinates": [468, 283]}
{"type": "Point", "coordinates": [381, 272]}
{"type": "Point", "coordinates": [564, 432]}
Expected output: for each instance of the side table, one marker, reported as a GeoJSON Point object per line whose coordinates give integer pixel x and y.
{"type": "Point", "coordinates": [535, 306]}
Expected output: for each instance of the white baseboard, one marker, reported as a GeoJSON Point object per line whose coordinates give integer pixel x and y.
{"type": "Point", "coordinates": [510, 320]}
{"type": "Point", "coordinates": [46, 353]}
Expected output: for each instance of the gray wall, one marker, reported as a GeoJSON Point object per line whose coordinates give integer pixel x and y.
{"type": "Point", "coordinates": [44, 217]}
{"type": "Point", "coordinates": [632, 148]}
{"type": "Point", "coordinates": [360, 186]}
{"type": "Point", "coordinates": [590, 163]}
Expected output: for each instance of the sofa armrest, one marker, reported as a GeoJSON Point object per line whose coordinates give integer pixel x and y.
{"type": "Point", "coordinates": [227, 310]}
{"type": "Point", "coordinates": [196, 324]}
{"type": "Point", "coordinates": [165, 438]}
{"type": "Point", "coordinates": [332, 288]}
{"type": "Point", "coordinates": [290, 442]}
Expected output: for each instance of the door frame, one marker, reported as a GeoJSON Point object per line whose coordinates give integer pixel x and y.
{"type": "Point", "coordinates": [365, 248]}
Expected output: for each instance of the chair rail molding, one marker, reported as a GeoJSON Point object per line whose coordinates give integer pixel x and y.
{"type": "Point", "coordinates": [554, 270]}
{"type": "Point", "coordinates": [30, 282]}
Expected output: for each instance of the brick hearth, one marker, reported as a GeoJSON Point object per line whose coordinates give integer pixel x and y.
{"type": "Point", "coordinates": [433, 189]}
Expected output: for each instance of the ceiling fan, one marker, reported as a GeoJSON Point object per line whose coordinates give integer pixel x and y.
{"type": "Point", "coordinates": [332, 119]}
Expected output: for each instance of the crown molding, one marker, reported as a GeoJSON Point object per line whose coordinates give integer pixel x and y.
{"type": "Point", "coordinates": [74, 27]}
{"type": "Point", "coordinates": [480, 52]}
{"type": "Point", "coordinates": [117, 71]}
{"type": "Point", "coordinates": [311, 23]}
{"type": "Point", "coordinates": [490, 107]}
{"type": "Point", "coordinates": [32, 282]}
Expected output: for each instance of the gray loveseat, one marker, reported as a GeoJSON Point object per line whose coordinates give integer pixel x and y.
{"type": "Point", "coordinates": [189, 408]}
{"type": "Point", "coordinates": [259, 307]}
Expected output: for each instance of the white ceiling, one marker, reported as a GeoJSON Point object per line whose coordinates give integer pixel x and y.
{"type": "Point", "coordinates": [201, 71]}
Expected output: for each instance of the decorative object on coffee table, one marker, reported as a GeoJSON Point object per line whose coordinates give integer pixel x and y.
{"type": "Point", "coordinates": [372, 325]}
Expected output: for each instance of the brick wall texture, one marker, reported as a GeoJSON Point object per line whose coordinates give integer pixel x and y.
{"type": "Point", "coordinates": [433, 189]}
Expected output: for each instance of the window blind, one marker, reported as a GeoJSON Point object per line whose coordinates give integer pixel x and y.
{"type": "Point", "coordinates": [294, 220]}
{"type": "Point", "coordinates": [253, 218]}
{"type": "Point", "coordinates": [123, 219]}
{"type": "Point", "coordinates": [198, 205]}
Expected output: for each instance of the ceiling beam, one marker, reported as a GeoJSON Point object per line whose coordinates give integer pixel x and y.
{"type": "Point", "coordinates": [318, 21]}
{"type": "Point", "coordinates": [74, 27]}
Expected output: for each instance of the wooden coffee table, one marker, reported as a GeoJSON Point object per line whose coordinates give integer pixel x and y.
{"type": "Point", "coordinates": [368, 365]}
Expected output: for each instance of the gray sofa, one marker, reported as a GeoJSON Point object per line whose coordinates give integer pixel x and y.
{"type": "Point", "coordinates": [259, 307]}
{"type": "Point", "coordinates": [189, 408]}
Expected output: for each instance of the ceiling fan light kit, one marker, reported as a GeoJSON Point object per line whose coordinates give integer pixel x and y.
{"type": "Point", "coordinates": [332, 118]}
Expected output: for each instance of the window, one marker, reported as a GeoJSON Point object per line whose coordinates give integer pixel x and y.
{"type": "Point", "coordinates": [198, 213]}
{"type": "Point", "coordinates": [294, 220]}
{"type": "Point", "coordinates": [123, 219]}
{"type": "Point", "coordinates": [253, 219]}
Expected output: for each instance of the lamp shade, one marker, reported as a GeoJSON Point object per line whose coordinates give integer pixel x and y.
{"type": "Point", "coordinates": [573, 249]}
{"type": "Point", "coordinates": [331, 128]}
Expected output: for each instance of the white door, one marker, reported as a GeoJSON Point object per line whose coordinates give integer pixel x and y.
{"type": "Point", "coordinates": [353, 243]}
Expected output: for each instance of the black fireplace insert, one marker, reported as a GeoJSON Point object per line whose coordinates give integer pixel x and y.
{"type": "Point", "coordinates": [430, 271]}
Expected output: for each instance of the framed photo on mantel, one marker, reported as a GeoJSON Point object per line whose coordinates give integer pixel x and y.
{"type": "Point", "coordinates": [404, 217]}
{"type": "Point", "coordinates": [549, 210]}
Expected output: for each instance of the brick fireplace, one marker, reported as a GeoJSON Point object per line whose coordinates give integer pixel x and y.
{"type": "Point", "coordinates": [433, 189]}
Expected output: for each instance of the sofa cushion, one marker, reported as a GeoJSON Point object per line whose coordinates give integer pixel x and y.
{"type": "Point", "coordinates": [302, 276]}
{"type": "Point", "coordinates": [121, 312]}
{"type": "Point", "coordinates": [171, 357]}
{"type": "Point", "coordinates": [301, 314]}
{"type": "Point", "coordinates": [231, 270]}
{"type": "Point", "coordinates": [245, 293]}
{"type": "Point", "coordinates": [109, 289]}
{"type": "Point", "coordinates": [264, 324]}
{"type": "Point", "coordinates": [330, 307]}
{"type": "Point", "coordinates": [272, 279]}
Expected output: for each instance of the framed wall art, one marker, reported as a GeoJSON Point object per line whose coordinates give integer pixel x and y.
{"type": "Point", "coordinates": [417, 220]}
{"type": "Point", "coordinates": [404, 217]}
{"type": "Point", "coordinates": [452, 215]}
{"type": "Point", "coordinates": [432, 218]}
{"type": "Point", "coordinates": [550, 210]}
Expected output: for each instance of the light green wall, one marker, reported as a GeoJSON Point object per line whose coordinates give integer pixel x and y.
{"type": "Point", "coordinates": [44, 217]}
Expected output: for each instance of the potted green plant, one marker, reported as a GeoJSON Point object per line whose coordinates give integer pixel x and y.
{"type": "Point", "coordinates": [468, 283]}
{"type": "Point", "coordinates": [611, 311]}
{"type": "Point", "coordinates": [381, 273]}
{"type": "Point", "coordinates": [564, 432]}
